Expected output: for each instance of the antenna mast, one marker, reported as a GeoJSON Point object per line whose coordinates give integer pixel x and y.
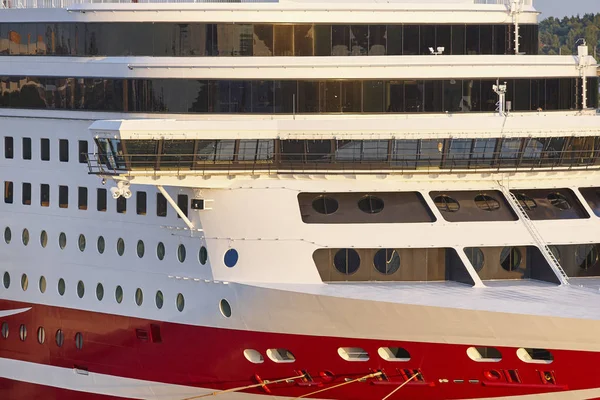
{"type": "Point", "coordinates": [516, 8]}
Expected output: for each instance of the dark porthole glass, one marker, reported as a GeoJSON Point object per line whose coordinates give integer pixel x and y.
{"type": "Point", "coordinates": [586, 256]}
{"type": "Point", "coordinates": [80, 289]}
{"type": "Point", "coordinates": [6, 280]}
{"type": "Point", "coordinates": [225, 308]}
{"type": "Point", "coordinates": [43, 239]}
{"type": "Point", "coordinates": [141, 249]}
{"type": "Point", "coordinates": [101, 244]}
{"type": "Point", "coordinates": [446, 204]}
{"type": "Point", "coordinates": [325, 205]}
{"type": "Point", "coordinates": [7, 235]}
{"type": "Point", "coordinates": [22, 332]}
{"type": "Point", "coordinates": [41, 335]}
{"type": "Point", "coordinates": [559, 201]}
{"type": "Point", "coordinates": [387, 261]}
{"type": "Point", "coordinates": [203, 255]}
{"type": "Point", "coordinates": [5, 330]}
{"type": "Point", "coordinates": [120, 246]}
{"type": "Point", "coordinates": [81, 243]}
{"type": "Point", "coordinates": [60, 338]}
{"type": "Point", "coordinates": [486, 203]}
{"type": "Point", "coordinates": [119, 294]}
{"type": "Point", "coordinates": [99, 291]}
{"type": "Point", "coordinates": [180, 302]}
{"type": "Point", "coordinates": [62, 240]}
{"type": "Point", "coordinates": [510, 258]}
{"type": "Point", "coordinates": [231, 258]}
{"type": "Point", "coordinates": [475, 256]}
{"type": "Point", "coordinates": [139, 296]}
{"type": "Point", "coordinates": [346, 261]}
{"type": "Point", "coordinates": [42, 284]}
{"type": "Point", "coordinates": [25, 237]}
{"type": "Point", "coordinates": [181, 253]}
{"type": "Point", "coordinates": [159, 299]}
{"type": "Point", "coordinates": [371, 204]}
{"type": "Point", "coordinates": [24, 282]}
{"type": "Point", "coordinates": [526, 202]}
{"type": "Point", "coordinates": [160, 251]}
{"type": "Point", "coordinates": [62, 286]}
{"type": "Point", "coordinates": [78, 340]}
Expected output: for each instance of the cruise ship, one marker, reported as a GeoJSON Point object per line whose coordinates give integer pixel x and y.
{"type": "Point", "coordinates": [350, 200]}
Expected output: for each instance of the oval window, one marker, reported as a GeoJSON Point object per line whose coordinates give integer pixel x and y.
{"type": "Point", "coordinates": [6, 280]}
{"type": "Point", "coordinates": [486, 203]}
{"type": "Point", "coordinates": [346, 261]}
{"type": "Point", "coordinates": [81, 242]}
{"type": "Point", "coordinates": [78, 340]}
{"type": "Point", "coordinates": [353, 354]}
{"type": "Point", "coordinates": [23, 332]}
{"type": "Point", "coordinates": [62, 286]}
{"type": "Point", "coordinates": [25, 237]}
{"type": "Point", "coordinates": [159, 300]}
{"type": "Point", "coordinates": [535, 356]}
{"type": "Point", "coordinates": [42, 284]}
{"type": "Point", "coordinates": [225, 308]}
{"type": "Point", "coordinates": [476, 257]}
{"type": "Point", "coordinates": [510, 258]}
{"type": "Point", "coordinates": [160, 251]}
{"type": "Point", "coordinates": [446, 203]}
{"type": "Point", "coordinates": [139, 296]}
{"type": "Point", "coordinates": [387, 261]}
{"type": "Point", "coordinates": [80, 289]}
{"type": "Point", "coordinates": [24, 282]}
{"type": "Point", "coordinates": [119, 294]}
{"type": "Point", "coordinates": [559, 201]}
{"type": "Point", "coordinates": [484, 354]}
{"type": "Point", "coordinates": [325, 205]}
{"type": "Point", "coordinates": [41, 335]}
{"type": "Point", "coordinates": [231, 258]}
{"type": "Point", "coordinates": [44, 239]}
{"type": "Point", "coordinates": [62, 240]}
{"type": "Point", "coordinates": [586, 256]}
{"type": "Point", "coordinates": [141, 249]}
{"type": "Point", "coordinates": [7, 235]}
{"type": "Point", "coordinates": [203, 255]}
{"type": "Point", "coordinates": [526, 202]}
{"type": "Point", "coordinates": [101, 244]}
{"type": "Point", "coordinates": [99, 292]}
{"type": "Point", "coordinates": [181, 253]}
{"type": "Point", "coordinates": [5, 330]}
{"type": "Point", "coordinates": [180, 302]}
{"type": "Point", "coordinates": [120, 246]}
{"type": "Point", "coordinates": [393, 354]}
{"type": "Point", "coordinates": [253, 356]}
{"type": "Point", "coordinates": [59, 337]}
{"type": "Point", "coordinates": [371, 204]}
{"type": "Point", "coordinates": [281, 355]}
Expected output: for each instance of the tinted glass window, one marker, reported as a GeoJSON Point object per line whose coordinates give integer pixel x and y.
{"type": "Point", "coordinates": [26, 148]}
{"type": "Point", "coordinates": [101, 199]}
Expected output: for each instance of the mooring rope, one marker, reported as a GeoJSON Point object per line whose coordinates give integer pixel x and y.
{"type": "Point", "coordinates": [400, 387]}
{"type": "Point", "coordinates": [237, 389]}
{"type": "Point", "coordinates": [374, 375]}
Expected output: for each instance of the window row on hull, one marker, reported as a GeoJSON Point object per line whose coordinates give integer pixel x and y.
{"type": "Point", "coordinates": [240, 39]}
{"type": "Point", "coordinates": [290, 96]}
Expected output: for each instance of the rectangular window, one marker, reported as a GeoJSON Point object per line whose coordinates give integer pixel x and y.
{"type": "Point", "coordinates": [63, 150]}
{"type": "Point", "coordinates": [161, 205]}
{"type": "Point", "coordinates": [45, 195]}
{"type": "Point", "coordinates": [82, 198]}
{"type": "Point", "coordinates": [101, 200]}
{"type": "Point", "coordinates": [121, 205]}
{"type": "Point", "coordinates": [26, 194]}
{"type": "Point", "coordinates": [83, 151]}
{"type": "Point", "coordinates": [63, 196]}
{"type": "Point", "coordinates": [182, 203]}
{"type": "Point", "coordinates": [26, 148]}
{"type": "Point", "coordinates": [8, 192]}
{"type": "Point", "coordinates": [140, 203]}
{"type": "Point", "coordinates": [45, 149]}
{"type": "Point", "coordinates": [8, 147]}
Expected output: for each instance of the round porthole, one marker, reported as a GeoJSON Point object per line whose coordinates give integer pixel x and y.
{"type": "Point", "coordinates": [180, 302]}
{"type": "Point", "coordinates": [225, 308]}
{"type": "Point", "coordinates": [559, 201]}
{"type": "Point", "coordinates": [78, 340]}
{"type": "Point", "coordinates": [25, 237]}
{"type": "Point", "coordinates": [60, 338]}
{"type": "Point", "coordinates": [120, 246]}
{"type": "Point", "coordinates": [140, 249]}
{"type": "Point", "coordinates": [81, 242]}
{"type": "Point", "coordinates": [371, 204]}
{"type": "Point", "coordinates": [6, 280]}
{"type": "Point", "coordinates": [159, 299]}
{"type": "Point", "coordinates": [181, 253]}
{"type": "Point", "coordinates": [387, 261]}
{"type": "Point", "coordinates": [586, 256]}
{"type": "Point", "coordinates": [61, 286]}
{"type": "Point", "coordinates": [23, 332]}
{"type": "Point", "coordinates": [101, 244]}
{"type": "Point", "coordinates": [325, 205]}
{"type": "Point", "coordinates": [43, 239]}
{"type": "Point", "coordinates": [139, 296]}
{"type": "Point", "coordinates": [41, 335]}
{"type": "Point", "coordinates": [446, 204]}
{"type": "Point", "coordinates": [510, 258]}
{"type": "Point", "coordinates": [231, 258]}
{"type": "Point", "coordinates": [99, 291]}
{"type": "Point", "coordinates": [203, 255]}
{"type": "Point", "coordinates": [526, 202]}
{"type": "Point", "coordinates": [24, 282]}
{"type": "Point", "coordinates": [5, 330]}
{"type": "Point", "coordinates": [42, 284]}
{"type": "Point", "coordinates": [475, 256]}
{"type": "Point", "coordinates": [7, 235]}
{"type": "Point", "coordinates": [346, 261]}
{"type": "Point", "coordinates": [80, 289]}
{"type": "Point", "coordinates": [486, 203]}
{"type": "Point", "coordinates": [62, 240]}
{"type": "Point", "coordinates": [119, 294]}
{"type": "Point", "coordinates": [253, 356]}
{"type": "Point", "coordinates": [160, 251]}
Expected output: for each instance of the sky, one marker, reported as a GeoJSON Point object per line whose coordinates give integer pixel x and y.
{"type": "Point", "coordinates": [561, 8]}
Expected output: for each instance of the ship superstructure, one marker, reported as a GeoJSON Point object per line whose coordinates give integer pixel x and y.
{"type": "Point", "coordinates": [341, 200]}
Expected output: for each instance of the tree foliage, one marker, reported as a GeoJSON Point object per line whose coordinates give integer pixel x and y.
{"type": "Point", "coordinates": [559, 36]}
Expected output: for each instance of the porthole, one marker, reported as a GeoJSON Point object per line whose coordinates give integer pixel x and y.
{"type": "Point", "coordinates": [78, 340]}
{"type": "Point", "coordinates": [586, 256]}
{"type": "Point", "coordinates": [5, 330]}
{"type": "Point", "coordinates": [24, 282]}
{"type": "Point", "coordinates": [253, 356]}
{"type": "Point", "coordinates": [231, 258]}
{"type": "Point", "coordinates": [325, 205]}
{"type": "Point", "coordinates": [43, 239]}
{"type": "Point", "coordinates": [559, 201]}
{"type": "Point", "coordinates": [41, 335]}
{"type": "Point", "coordinates": [203, 255]}
{"type": "Point", "coordinates": [139, 296]}
{"type": "Point", "coordinates": [119, 294]}
{"type": "Point", "coordinates": [61, 286]}
{"type": "Point", "coordinates": [486, 203]}
{"type": "Point", "coordinates": [510, 258]}
{"type": "Point", "coordinates": [387, 261]}
{"type": "Point", "coordinates": [140, 249]}
{"type": "Point", "coordinates": [42, 284]}
{"type": "Point", "coordinates": [446, 203]}
{"type": "Point", "coordinates": [22, 332]}
{"type": "Point", "coordinates": [476, 257]}
{"type": "Point", "coordinates": [346, 261]}
{"type": "Point", "coordinates": [225, 308]}
{"type": "Point", "coordinates": [180, 302]}
{"type": "Point", "coordinates": [7, 235]}
{"type": "Point", "coordinates": [6, 280]}
{"type": "Point", "coordinates": [60, 338]}
{"type": "Point", "coordinates": [62, 240]}
{"type": "Point", "coordinates": [120, 246]}
{"type": "Point", "coordinates": [526, 202]}
{"type": "Point", "coordinates": [371, 204]}
{"type": "Point", "coordinates": [159, 300]}
{"type": "Point", "coordinates": [535, 356]}
{"type": "Point", "coordinates": [353, 354]}
{"type": "Point", "coordinates": [160, 251]}
{"type": "Point", "coordinates": [393, 354]}
{"type": "Point", "coordinates": [101, 244]}
{"type": "Point", "coordinates": [181, 253]}
{"type": "Point", "coordinates": [484, 354]}
{"type": "Point", "coordinates": [281, 355]}
{"type": "Point", "coordinates": [81, 242]}
{"type": "Point", "coordinates": [25, 237]}
{"type": "Point", "coordinates": [80, 289]}
{"type": "Point", "coordinates": [99, 291]}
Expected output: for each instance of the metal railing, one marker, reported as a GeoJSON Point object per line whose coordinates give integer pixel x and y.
{"type": "Point", "coordinates": [69, 3]}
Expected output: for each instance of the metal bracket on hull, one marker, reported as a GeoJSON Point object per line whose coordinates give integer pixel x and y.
{"type": "Point", "coordinates": [176, 207]}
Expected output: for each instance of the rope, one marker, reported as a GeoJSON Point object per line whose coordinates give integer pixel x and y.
{"type": "Point", "coordinates": [339, 385]}
{"type": "Point", "coordinates": [237, 389]}
{"type": "Point", "coordinates": [400, 387]}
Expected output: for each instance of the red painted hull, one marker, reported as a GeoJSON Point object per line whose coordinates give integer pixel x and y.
{"type": "Point", "coordinates": [213, 358]}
